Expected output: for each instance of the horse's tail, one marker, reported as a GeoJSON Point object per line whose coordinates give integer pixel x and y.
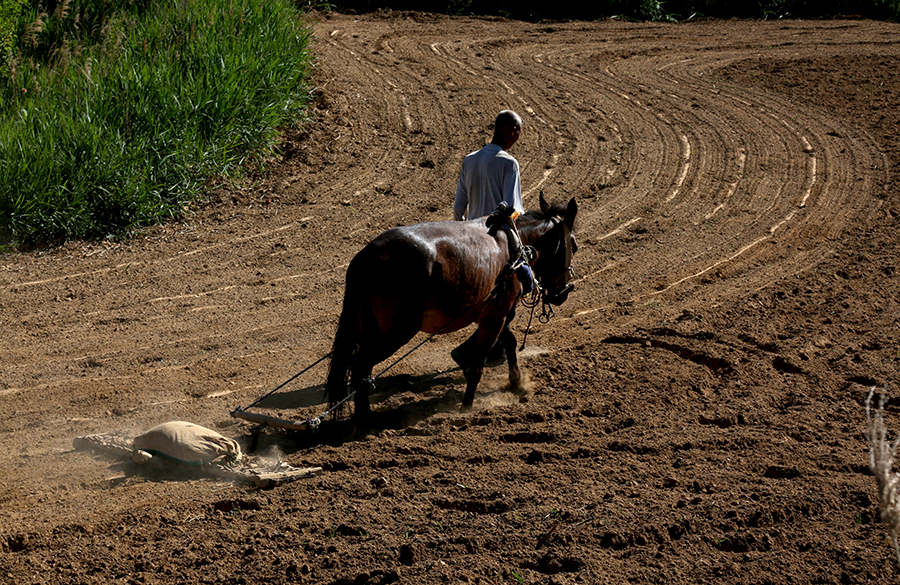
{"type": "Point", "coordinates": [346, 344]}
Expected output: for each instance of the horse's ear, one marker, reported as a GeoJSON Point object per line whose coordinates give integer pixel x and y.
{"type": "Point", "coordinates": [545, 207]}
{"type": "Point", "coordinates": [571, 211]}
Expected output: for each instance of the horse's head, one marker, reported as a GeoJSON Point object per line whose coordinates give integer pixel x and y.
{"type": "Point", "coordinates": [554, 245]}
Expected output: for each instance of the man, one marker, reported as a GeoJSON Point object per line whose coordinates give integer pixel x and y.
{"type": "Point", "coordinates": [491, 175]}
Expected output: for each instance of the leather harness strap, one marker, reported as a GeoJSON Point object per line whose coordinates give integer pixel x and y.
{"type": "Point", "coordinates": [519, 256]}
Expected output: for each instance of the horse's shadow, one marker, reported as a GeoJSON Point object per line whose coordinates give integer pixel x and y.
{"type": "Point", "coordinates": [399, 402]}
{"type": "Point", "coordinates": [403, 401]}
{"type": "Point", "coordinates": [399, 397]}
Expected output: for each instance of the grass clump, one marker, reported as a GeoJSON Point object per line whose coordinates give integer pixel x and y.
{"type": "Point", "coordinates": [9, 12]}
{"type": "Point", "coordinates": [881, 462]}
{"type": "Point", "coordinates": [113, 114]}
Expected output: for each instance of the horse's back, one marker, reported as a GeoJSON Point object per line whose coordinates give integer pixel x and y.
{"type": "Point", "coordinates": [418, 246]}
{"type": "Point", "coordinates": [433, 271]}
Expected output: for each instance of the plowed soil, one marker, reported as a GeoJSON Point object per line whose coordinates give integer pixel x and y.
{"type": "Point", "coordinates": [696, 410]}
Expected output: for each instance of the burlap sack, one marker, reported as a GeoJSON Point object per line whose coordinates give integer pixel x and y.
{"type": "Point", "coordinates": [188, 443]}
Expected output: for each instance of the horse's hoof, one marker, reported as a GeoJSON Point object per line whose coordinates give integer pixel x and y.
{"type": "Point", "coordinates": [465, 407]}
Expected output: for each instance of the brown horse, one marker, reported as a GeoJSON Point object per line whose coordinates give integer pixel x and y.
{"type": "Point", "coordinates": [440, 277]}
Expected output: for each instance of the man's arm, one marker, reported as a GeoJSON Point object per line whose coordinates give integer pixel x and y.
{"type": "Point", "coordinates": [461, 202]}
{"type": "Point", "coordinates": [512, 187]}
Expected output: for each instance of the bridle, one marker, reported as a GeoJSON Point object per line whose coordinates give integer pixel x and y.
{"type": "Point", "coordinates": [555, 289]}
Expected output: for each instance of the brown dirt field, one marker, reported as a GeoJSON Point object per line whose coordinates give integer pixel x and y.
{"type": "Point", "coordinates": [697, 409]}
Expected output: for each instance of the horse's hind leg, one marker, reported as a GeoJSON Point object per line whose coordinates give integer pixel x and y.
{"type": "Point", "coordinates": [374, 350]}
{"type": "Point", "coordinates": [362, 407]}
{"type": "Point", "coordinates": [462, 354]}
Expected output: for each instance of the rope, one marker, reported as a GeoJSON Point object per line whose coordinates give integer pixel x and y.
{"type": "Point", "coordinates": [294, 377]}
{"type": "Point", "coordinates": [315, 421]}
{"type": "Point", "coordinates": [530, 304]}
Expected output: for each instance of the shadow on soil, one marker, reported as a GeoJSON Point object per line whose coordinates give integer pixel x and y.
{"type": "Point", "coordinates": [399, 402]}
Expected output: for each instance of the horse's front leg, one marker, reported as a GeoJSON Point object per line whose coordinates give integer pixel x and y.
{"type": "Point", "coordinates": [473, 377]}
{"type": "Point", "coordinates": [508, 340]}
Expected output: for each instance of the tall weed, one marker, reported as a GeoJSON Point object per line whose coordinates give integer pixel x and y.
{"type": "Point", "coordinates": [120, 127]}
{"type": "Point", "coordinates": [882, 452]}
{"type": "Point", "coordinates": [9, 14]}
{"type": "Point", "coordinates": [890, 9]}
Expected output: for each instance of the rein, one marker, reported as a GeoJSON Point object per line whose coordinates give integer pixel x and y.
{"type": "Point", "coordinates": [542, 296]}
{"type": "Point", "coordinates": [532, 304]}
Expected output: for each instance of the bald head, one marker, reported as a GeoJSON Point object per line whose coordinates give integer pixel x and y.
{"type": "Point", "coordinates": [507, 128]}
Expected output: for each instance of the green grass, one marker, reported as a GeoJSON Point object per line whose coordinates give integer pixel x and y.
{"type": "Point", "coordinates": [117, 125]}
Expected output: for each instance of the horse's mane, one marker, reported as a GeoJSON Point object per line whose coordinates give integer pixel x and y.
{"type": "Point", "coordinates": [533, 219]}
{"type": "Point", "coordinates": [533, 216]}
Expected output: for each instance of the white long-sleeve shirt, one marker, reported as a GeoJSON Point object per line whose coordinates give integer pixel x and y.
{"type": "Point", "coordinates": [488, 176]}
